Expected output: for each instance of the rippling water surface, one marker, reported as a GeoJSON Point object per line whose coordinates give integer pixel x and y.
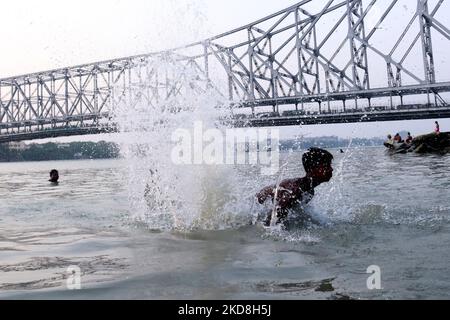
{"type": "Point", "coordinates": [389, 211]}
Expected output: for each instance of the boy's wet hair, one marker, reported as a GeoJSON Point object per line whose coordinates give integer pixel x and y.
{"type": "Point", "coordinates": [316, 157]}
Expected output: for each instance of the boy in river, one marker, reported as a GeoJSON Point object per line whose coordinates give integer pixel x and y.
{"type": "Point", "coordinates": [54, 176]}
{"type": "Point", "coordinates": [292, 192]}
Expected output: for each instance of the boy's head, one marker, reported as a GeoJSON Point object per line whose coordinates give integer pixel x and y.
{"type": "Point", "coordinates": [54, 176]}
{"type": "Point", "coordinates": [317, 164]}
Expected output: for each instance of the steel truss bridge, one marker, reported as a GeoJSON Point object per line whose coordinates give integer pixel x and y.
{"type": "Point", "coordinates": [332, 61]}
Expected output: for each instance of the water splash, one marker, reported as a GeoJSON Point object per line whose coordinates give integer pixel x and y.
{"type": "Point", "coordinates": [165, 195]}
{"type": "Point", "coordinates": [330, 204]}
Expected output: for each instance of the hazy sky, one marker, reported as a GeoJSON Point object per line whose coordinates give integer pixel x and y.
{"type": "Point", "coordinates": [46, 34]}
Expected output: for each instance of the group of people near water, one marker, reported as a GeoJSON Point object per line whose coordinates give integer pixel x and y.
{"type": "Point", "coordinates": [409, 139]}
{"type": "Point", "coordinates": [398, 139]}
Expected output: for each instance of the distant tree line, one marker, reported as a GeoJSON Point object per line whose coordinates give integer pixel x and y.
{"type": "Point", "coordinates": [109, 150]}
{"type": "Point", "coordinates": [329, 142]}
{"type": "Point", "coordinates": [53, 151]}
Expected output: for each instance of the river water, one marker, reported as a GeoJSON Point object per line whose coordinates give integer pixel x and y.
{"type": "Point", "coordinates": [379, 210]}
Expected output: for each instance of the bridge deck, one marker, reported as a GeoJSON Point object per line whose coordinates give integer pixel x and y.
{"type": "Point", "coordinates": [55, 133]}
{"type": "Point", "coordinates": [280, 121]}
{"type": "Point", "coordinates": [350, 117]}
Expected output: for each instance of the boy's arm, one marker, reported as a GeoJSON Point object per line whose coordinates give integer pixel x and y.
{"type": "Point", "coordinates": [285, 192]}
{"type": "Point", "coordinates": [265, 193]}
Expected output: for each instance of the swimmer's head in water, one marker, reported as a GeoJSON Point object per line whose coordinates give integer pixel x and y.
{"type": "Point", "coordinates": [54, 176]}
{"type": "Point", "coordinates": [317, 163]}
